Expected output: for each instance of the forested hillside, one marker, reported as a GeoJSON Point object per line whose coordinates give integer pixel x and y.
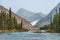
{"type": "Point", "coordinates": [55, 25]}
{"type": "Point", "coordinates": [9, 22]}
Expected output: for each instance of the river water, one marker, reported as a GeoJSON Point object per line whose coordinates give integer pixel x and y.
{"type": "Point", "coordinates": [29, 36]}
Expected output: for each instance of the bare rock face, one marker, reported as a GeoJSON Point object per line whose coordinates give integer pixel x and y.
{"type": "Point", "coordinates": [25, 23]}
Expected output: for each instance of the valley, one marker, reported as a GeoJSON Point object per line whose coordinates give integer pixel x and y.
{"type": "Point", "coordinates": [26, 20]}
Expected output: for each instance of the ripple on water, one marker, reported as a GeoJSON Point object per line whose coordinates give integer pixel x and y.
{"type": "Point", "coordinates": [29, 36]}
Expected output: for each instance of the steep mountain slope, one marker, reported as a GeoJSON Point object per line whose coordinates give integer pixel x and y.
{"type": "Point", "coordinates": [34, 22]}
{"type": "Point", "coordinates": [26, 24]}
{"type": "Point", "coordinates": [46, 20]}
{"type": "Point", "coordinates": [30, 16]}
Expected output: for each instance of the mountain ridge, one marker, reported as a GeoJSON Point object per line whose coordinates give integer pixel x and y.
{"type": "Point", "coordinates": [26, 24]}
{"type": "Point", "coordinates": [30, 16]}
{"type": "Point", "coordinates": [47, 20]}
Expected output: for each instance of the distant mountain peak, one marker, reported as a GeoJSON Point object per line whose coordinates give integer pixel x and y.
{"type": "Point", "coordinates": [40, 13]}
{"type": "Point", "coordinates": [28, 15]}
{"type": "Point", "coordinates": [47, 20]}
{"type": "Point", "coordinates": [22, 9]}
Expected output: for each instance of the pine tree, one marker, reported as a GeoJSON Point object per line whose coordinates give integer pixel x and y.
{"type": "Point", "coordinates": [14, 22]}
{"type": "Point", "coordinates": [10, 13]}
{"type": "Point", "coordinates": [1, 27]}
{"type": "Point", "coordinates": [8, 22]}
{"type": "Point", "coordinates": [21, 24]}
{"type": "Point", "coordinates": [56, 22]}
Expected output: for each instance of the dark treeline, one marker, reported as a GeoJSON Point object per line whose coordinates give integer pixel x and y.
{"type": "Point", "coordinates": [54, 25]}
{"type": "Point", "coordinates": [7, 22]}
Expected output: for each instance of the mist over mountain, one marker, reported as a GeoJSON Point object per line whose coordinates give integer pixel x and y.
{"type": "Point", "coordinates": [46, 20]}
{"type": "Point", "coordinates": [30, 16]}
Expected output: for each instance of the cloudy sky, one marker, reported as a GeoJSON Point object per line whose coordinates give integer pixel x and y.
{"type": "Point", "coordinates": [44, 6]}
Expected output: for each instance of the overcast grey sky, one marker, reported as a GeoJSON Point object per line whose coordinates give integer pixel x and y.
{"type": "Point", "coordinates": [44, 6]}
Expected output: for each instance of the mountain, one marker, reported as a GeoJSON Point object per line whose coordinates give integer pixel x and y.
{"type": "Point", "coordinates": [25, 23]}
{"type": "Point", "coordinates": [30, 16]}
{"type": "Point", "coordinates": [46, 20]}
{"type": "Point", "coordinates": [34, 22]}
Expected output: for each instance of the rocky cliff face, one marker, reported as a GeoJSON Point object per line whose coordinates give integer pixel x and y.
{"type": "Point", "coordinates": [25, 23]}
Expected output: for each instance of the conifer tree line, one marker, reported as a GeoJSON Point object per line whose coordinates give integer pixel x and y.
{"type": "Point", "coordinates": [7, 22]}
{"type": "Point", "coordinates": [55, 25]}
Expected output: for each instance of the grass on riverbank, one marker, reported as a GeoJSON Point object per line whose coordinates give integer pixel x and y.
{"type": "Point", "coordinates": [14, 30]}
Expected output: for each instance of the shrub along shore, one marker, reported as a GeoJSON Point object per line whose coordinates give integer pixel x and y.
{"type": "Point", "coordinates": [14, 30]}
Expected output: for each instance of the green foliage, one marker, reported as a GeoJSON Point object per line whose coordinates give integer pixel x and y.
{"type": "Point", "coordinates": [45, 27]}
{"type": "Point", "coordinates": [55, 26]}
{"type": "Point", "coordinates": [10, 13]}
{"type": "Point", "coordinates": [8, 22]}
